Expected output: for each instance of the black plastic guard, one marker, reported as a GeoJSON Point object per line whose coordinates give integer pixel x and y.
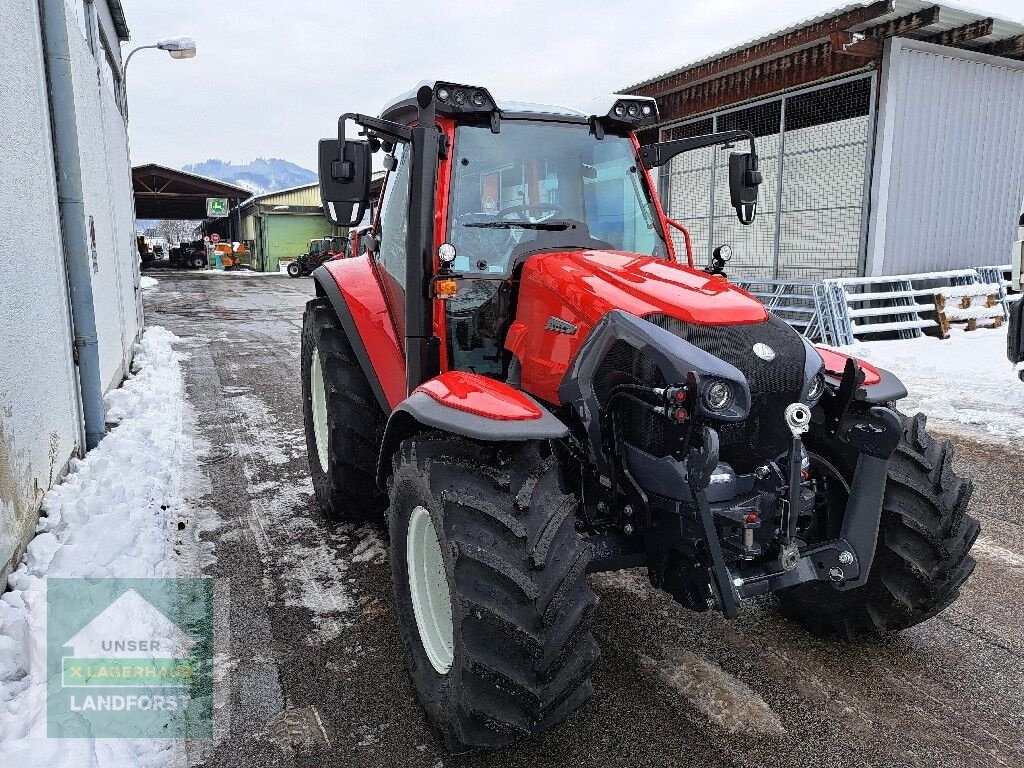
{"type": "Point", "coordinates": [1015, 333]}
{"type": "Point", "coordinates": [673, 356]}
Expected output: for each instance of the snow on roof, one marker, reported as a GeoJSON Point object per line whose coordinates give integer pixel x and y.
{"type": "Point", "coordinates": [951, 16]}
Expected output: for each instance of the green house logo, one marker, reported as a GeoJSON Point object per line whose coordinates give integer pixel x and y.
{"type": "Point", "coordinates": [216, 207]}
{"type": "Point", "coordinates": [129, 658]}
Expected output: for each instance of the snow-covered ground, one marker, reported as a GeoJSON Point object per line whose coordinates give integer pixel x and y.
{"type": "Point", "coordinates": [113, 516]}
{"type": "Point", "coordinates": [147, 282]}
{"type": "Point", "coordinates": [964, 383]}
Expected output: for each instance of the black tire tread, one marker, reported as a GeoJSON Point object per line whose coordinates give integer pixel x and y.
{"type": "Point", "coordinates": [923, 553]}
{"type": "Point", "coordinates": [521, 667]}
{"type": "Point", "coordinates": [346, 489]}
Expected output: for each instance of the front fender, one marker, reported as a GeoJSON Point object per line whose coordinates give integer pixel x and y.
{"type": "Point", "coordinates": [469, 405]}
{"type": "Point", "coordinates": [880, 385]}
{"type": "Point", "coordinates": [352, 287]}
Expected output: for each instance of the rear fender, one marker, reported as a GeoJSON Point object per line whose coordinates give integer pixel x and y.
{"type": "Point", "coordinates": [351, 286]}
{"type": "Point", "coordinates": [468, 405]}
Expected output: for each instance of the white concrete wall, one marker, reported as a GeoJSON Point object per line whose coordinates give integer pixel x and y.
{"type": "Point", "coordinates": [40, 413]}
{"type": "Point", "coordinates": [106, 180]}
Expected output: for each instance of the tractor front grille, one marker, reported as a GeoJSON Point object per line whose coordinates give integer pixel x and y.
{"type": "Point", "coordinates": [624, 364]}
{"type": "Point", "coordinates": [773, 384]}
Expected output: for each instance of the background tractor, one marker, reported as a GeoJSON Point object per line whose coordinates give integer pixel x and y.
{"type": "Point", "coordinates": [524, 377]}
{"type": "Point", "coordinates": [318, 251]}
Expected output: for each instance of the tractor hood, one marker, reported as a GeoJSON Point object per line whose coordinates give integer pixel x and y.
{"type": "Point", "coordinates": [562, 296]}
{"type": "Point", "coordinates": [590, 283]}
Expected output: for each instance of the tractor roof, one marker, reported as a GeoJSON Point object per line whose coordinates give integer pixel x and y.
{"type": "Point", "coordinates": [401, 106]}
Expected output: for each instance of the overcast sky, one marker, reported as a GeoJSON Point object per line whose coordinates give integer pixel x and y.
{"type": "Point", "coordinates": [272, 76]}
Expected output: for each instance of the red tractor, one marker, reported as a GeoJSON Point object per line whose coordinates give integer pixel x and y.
{"type": "Point", "coordinates": [520, 374]}
{"type": "Point", "coordinates": [318, 251]}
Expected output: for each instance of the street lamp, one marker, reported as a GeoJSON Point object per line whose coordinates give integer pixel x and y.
{"type": "Point", "coordinates": [178, 47]}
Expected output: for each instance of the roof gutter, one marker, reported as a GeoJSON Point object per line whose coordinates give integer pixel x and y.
{"type": "Point", "coordinates": [64, 125]}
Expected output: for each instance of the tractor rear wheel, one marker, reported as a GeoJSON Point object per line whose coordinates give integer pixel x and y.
{"type": "Point", "coordinates": [490, 588]}
{"type": "Point", "coordinates": [922, 557]}
{"type": "Point", "coordinates": [344, 423]}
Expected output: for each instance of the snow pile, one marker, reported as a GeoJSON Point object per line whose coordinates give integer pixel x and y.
{"type": "Point", "coordinates": [963, 291]}
{"type": "Point", "coordinates": [147, 282]}
{"type": "Point", "coordinates": [973, 312]}
{"type": "Point", "coordinates": [964, 383]}
{"type": "Point", "coordinates": [111, 517]}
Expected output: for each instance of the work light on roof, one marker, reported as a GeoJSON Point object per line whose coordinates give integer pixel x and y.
{"type": "Point", "coordinates": [636, 111]}
{"type": "Point", "coordinates": [451, 97]}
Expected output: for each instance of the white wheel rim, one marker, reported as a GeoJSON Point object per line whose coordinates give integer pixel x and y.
{"type": "Point", "coordinates": [319, 396]}
{"type": "Point", "coordinates": [428, 587]}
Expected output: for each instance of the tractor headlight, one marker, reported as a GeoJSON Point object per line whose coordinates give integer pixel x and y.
{"type": "Point", "coordinates": [478, 99]}
{"type": "Point", "coordinates": [461, 97]}
{"type": "Point", "coordinates": [619, 110]}
{"type": "Point", "coordinates": [443, 94]}
{"type": "Point", "coordinates": [633, 110]}
{"type": "Point", "coordinates": [816, 389]}
{"type": "Point", "coordinates": [718, 396]}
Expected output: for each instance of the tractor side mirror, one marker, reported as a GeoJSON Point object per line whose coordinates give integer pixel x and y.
{"type": "Point", "coordinates": [744, 179]}
{"type": "Point", "coordinates": [345, 180]}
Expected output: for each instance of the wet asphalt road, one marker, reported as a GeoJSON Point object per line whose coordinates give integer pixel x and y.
{"type": "Point", "coordinates": [313, 667]}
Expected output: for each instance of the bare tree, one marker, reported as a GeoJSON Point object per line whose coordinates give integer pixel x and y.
{"type": "Point", "coordinates": [174, 231]}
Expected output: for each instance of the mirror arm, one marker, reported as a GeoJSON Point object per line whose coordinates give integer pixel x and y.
{"type": "Point", "coordinates": [375, 125]}
{"type": "Point", "coordinates": [656, 155]}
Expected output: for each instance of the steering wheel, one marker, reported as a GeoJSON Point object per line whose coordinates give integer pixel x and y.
{"type": "Point", "coordinates": [524, 212]}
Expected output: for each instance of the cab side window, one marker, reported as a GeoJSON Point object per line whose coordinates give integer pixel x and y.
{"type": "Point", "coordinates": [394, 217]}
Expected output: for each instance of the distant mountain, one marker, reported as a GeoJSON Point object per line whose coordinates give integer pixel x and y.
{"type": "Point", "coordinates": [262, 175]}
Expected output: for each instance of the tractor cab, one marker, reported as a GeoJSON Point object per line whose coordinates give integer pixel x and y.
{"type": "Point", "coordinates": [512, 180]}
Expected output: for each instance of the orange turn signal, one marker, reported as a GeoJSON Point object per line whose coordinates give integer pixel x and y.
{"type": "Point", "coordinates": [445, 288]}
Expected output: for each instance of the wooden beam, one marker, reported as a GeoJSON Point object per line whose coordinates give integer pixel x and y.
{"type": "Point", "coordinates": [1012, 47]}
{"type": "Point", "coordinates": [904, 24]}
{"type": "Point", "coordinates": [768, 48]}
{"type": "Point", "coordinates": [846, 44]}
{"type": "Point", "coordinates": [958, 35]}
{"type": "Point", "coordinates": [803, 67]}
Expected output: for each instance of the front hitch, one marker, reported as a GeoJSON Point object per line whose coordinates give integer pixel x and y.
{"type": "Point", "coordinates": [846, 561]}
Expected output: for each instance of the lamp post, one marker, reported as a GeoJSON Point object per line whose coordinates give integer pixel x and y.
{"type": "Point", "coordinates": [178, 47]}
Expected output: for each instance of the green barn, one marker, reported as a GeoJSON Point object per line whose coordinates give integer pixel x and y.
{"type": "Point", "coordinates": [278, 225]}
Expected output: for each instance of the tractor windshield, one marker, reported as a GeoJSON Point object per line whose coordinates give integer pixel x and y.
{"type": "Point", "coordinates": [535, 179]}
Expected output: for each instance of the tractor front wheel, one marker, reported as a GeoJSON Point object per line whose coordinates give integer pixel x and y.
{"type": "Point", "coordinates": [922, 556]}
{"type": "Point", "coordinates": [344, 423]}
{"type": "Point", "coordinates": [294, 269]}
{"type": "Point", "coordinates": [490, 588]}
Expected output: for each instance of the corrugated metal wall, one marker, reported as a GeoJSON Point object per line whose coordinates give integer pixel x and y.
{"type": "Point", "coordinates": [302, 196]}
{"type": "Point", "coordinates": [949, 163]}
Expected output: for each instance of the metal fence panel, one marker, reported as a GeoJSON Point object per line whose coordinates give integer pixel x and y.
{"type": "Point", "coordinates": [813, 147]}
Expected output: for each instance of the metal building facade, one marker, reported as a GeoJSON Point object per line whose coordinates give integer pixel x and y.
{"type": "Point", "coordinates": [949, 170]}
{"type": "Point", "coordinates": [814, 147]}
{"type": "Point", "coordinates": [887, 133]}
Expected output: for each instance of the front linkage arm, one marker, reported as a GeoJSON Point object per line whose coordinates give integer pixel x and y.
{"type": "Point", "coordinates": [846, 561]}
